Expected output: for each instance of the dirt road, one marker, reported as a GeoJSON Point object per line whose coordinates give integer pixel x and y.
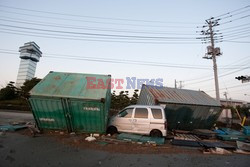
{"type": "Point", "coordinates": [23, 151]}
{"type": "Point", "coordinates": [13, 116]}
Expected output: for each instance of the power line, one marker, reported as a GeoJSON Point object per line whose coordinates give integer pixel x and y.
{"type": "Point", "coordinates": [235, 86]}
{"type": "Point", "coordinates": [236, 41]}
{"type": "Point", "coordinates": [99, 38]}
{"type": "Point", "coordinates": [242, 25]}
{"type": "Point", "coordinates": [243, 17]}
{"type": "Point", "coordinates": [236, 10]}
{"type": "Point", "coordinates": [222, 75]}
{"type": "Point", "coordinates": [97, 17]}
{"type": "Point", "coordinates": [238, 37]}
{"type": "Point", "coordinates": [230, 16]}
{"type": "Point", "coordinates": [23, 21]}
{"type": "Point", "coordinates": [96, 59]}
{"type": "Point", "coordinates": [96, 40]}
{"type": "Point", "coordinates": [96, 34]}
{"type": "Point", "coordinates": [240, 29]}
{"type": "Point", "coordinates": [245, 60]}
{"type": "Point", "coordinates": [35, 34]}
{"type": "Point", "coordinates": [117, 62]}
{"type": "Point", "coordinates": [95, 22]}
{"type": "Point", "coordinates": [236, 33]}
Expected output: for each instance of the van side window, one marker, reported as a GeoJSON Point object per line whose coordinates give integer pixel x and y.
{"type": "Point", "coordinates": [141, 113]}
{"type": "Point", "coordinates": [126, 113]}
{"type": "Point", "coordinates": [157, 113]}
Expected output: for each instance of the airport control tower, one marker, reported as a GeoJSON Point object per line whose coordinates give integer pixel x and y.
{"type": "Point", "coordinates": [30, 54]}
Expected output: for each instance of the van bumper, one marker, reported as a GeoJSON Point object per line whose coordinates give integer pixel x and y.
{"type": "Point", "coordinates": [164, 133]}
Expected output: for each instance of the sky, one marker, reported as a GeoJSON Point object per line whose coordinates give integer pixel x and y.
{"type": "Point", "coordinates": [143, 39]}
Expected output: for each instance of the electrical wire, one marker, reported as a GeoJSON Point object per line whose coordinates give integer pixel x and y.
{"type": "Point", "coordinates": [240, 29]}
{"type": "Point", "coordinates": [236, 41]}
{"type": "Point", "coordinates": [116, 62]}
{"type": "Point", "coordinates": [46, 24]}
{"type": "Point", "coordinates": [237, 33]}
{"type": "Point", "coordinates": [245, 60]}
{"type": "Point", "coordinates": [242, 25]}
{"type": "Point", "coordinates": [95, 34]}
{"type": "Point", "coordinates": [235, 86]}
{"type": "Point", "coordinates": [238, 37]}
{"type": "Point", "coordinates": [222, 75]}
{"type": "Point", "coordinates": [97, 40]}
{"type": "Point", "coordinates": [72, 57]}
{"type": "Point", "coordinates": [95, 17]}
{"type": "Point", "coordinates": [236, 10]}
{"type": "Point", "coordinates": [230, 16]}
{"type": "Point", "coordinates": [94, 22]}
{"type": "Point", "coordinates": [95, 37]}
{"type": "Point", "coordinates": [240, 18]}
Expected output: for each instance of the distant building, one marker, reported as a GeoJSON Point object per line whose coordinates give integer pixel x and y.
{"type": "Point", "coordinates": [30, 54]}
{"type": "Point", "coordinates": [233, 102]}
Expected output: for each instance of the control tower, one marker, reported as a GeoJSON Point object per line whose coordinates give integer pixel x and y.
{"type": "Point", "coordinates": [30, 54]}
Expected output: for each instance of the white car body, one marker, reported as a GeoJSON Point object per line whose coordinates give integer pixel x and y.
{"type": "Point", "coordinates": [140, 119]}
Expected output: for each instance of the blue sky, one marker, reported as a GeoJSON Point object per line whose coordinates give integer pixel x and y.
{"type": "Point", "coordinates": [160, 18]}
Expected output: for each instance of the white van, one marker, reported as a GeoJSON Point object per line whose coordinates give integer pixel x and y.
{"type": "Point", "coordinates": [140, 119]}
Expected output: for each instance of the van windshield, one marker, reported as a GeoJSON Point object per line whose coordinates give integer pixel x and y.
{"type": "Point", "coordinates": [127, 113]}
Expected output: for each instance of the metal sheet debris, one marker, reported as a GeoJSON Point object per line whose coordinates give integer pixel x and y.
{"type": "Point", "coordinates": [189, 143]}
{"type": "Point", "coordinates": [232, 137]}
{"type": "Point", "coordinates": [208, 144]}
{"type": "Point", "coordinates": [204, 133]}
{"type": "Point", "coordinates": [246, 130]}
{"type": "Point", "coordinates": [243, 146]}
{"type": "Point", "coordinates": [216, 150]}
{"type": "Point", "coordinates": [12, 127]}
{"type": "Point", "coordinates": [140, 138]}
{"type": "Point", "coordinates": [186, 137]}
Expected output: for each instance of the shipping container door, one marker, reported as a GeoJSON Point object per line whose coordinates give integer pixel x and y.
{"type": "Point", "coordinates": [87, 116]}
{"type": "Point", "coordinates": [49, 113]}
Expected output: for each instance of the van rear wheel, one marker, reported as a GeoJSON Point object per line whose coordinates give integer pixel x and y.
{"type": "Point", "coordinates": [112, 130]}
{"type": "Point", "coordinates": [155, 133]}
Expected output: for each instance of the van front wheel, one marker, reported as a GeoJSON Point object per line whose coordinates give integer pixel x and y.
{"type": "Point", "coordinates": [112, 130]}
{"type": "Point", "coordinates": [155, 133]}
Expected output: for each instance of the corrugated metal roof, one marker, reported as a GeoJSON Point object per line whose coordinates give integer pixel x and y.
{"type": "Point", "coordinates": [69, 85]}
{"type": "Point", "coordinates": [180, 96]}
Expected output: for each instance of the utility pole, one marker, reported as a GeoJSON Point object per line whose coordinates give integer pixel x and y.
{"type": "Point", "coordinates": [181, 84]}
{"type": "Point", "coordinates": [227, 109]}
{"type": "Point", "coordinates": [225, 94]}
{"type": "Point", "coordinates": [212, 52]}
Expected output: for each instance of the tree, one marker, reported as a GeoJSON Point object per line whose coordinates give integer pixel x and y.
{"type": "Point", "coordinates": [9, 92]}
{"type": "Point", "coordinates": [135, 97]}
{"type": "Point", "coordinates": [27, 86]}
{"type": "Point", "coordinates": [123, 100]}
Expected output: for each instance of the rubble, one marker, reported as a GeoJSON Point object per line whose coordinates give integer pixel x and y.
{"type": "Point", "coordinates": [216, 150]}
{"type": "Point", "coordinates": [90, 138]}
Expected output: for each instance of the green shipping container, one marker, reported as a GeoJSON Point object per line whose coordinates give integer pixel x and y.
{"type": "Point", "coordinates": [71, 101]}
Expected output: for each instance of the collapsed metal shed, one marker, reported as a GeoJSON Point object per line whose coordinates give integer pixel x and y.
{"type": "Point", "coordinates": [185, 109]}
{"type": "Point", "coordinates": [65, 101]}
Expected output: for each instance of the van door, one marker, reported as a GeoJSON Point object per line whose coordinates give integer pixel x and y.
{"type": "Point", "coordinates": [123, 120]}
{"type": "Point", "coordinates": [141, 120]}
